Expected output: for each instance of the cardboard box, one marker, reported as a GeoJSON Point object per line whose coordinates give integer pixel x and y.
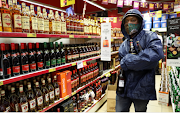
{"type": "Point", "coordinates": [68, 81]}
{"type": "Point", "coordinates": [163, 98]}
{"type": "Point", "coordinates": [62, 81]}
{"type": "Point", "coordinates": [111, 98]}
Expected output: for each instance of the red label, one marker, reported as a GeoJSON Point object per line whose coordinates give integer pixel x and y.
{"type": "Point", "coordinates": [23, 54]}
{"type": "Point", "coordinates": [16, 69]}
{"type": "Point", "coordinates": [13, 55]}
{"type": "Point", "coordinates": [31, 53]}
{"type": "Point", "coordinates": [33, 66]}
{"type": "Point", "coordinates": [40, 64]}
{"type": "Point", "coordinates": [17, 53]}
{"type": "Point", "coordinates": [25, 67]}
{"type": "Point", "coordinates": [9, 71]}
{"type": "Point", "coordinates": [38, 52]}
{"type": "Point", "coordinates": [8, 54]}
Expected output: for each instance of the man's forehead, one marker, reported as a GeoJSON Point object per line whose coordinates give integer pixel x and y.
{"type": "Point", "coordinates": [131, 16]}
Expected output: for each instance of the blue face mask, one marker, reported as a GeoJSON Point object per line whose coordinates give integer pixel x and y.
{"type": "Point", "coordinates": [133, 28]}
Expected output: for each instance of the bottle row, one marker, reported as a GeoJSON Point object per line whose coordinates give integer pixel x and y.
{"type": "Point", "coordinates": [115, 45]}
{"type": "Point", "coordinates": [39, 92]}
{"type": "Point", "coordinates": [39, 56]}
{"type": "Point", "coordinates": [26, 21]}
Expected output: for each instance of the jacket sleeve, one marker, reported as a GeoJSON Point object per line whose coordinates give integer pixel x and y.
{"type": "Point", "coordinates": [147, 58]}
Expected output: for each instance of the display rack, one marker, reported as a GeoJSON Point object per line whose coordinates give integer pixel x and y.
{"type": "Point", "coordinates": [159, 29]}
{"type": "Point", "coordinates": [175, 74]}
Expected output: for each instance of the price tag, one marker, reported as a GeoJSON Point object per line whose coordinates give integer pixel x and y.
{"type": "Point", "coordinates": [66, 97]}
{"type": "Point", "coordinates": [52, 70]}
{"type": "Point", "coordinates": [89, 36]}
{"type": "Point", "coordinates": [108, 74]}
{"type": "Point", "coordinates": [102, 76]}
{"type": "Point", "coordinates": [71, 36]}
{"type": "Point", "coordinates": [73, 93]}
{"type": "Point", "coordinates": [84, 63]}
{"type": "Point", "coordinates": [31, 35]}
{"type": "Point", "coordinates": [79, 65]}
{"type": "Point", "coordinates": [112, 39]}
{"type": "Point", "coordinates": [1, 83]}
{"type": "Point", "coordinates": [73, 64]}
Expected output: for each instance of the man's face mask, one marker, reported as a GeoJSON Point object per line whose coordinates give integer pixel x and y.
{"type": "Point", "coordinates": [132, 28]}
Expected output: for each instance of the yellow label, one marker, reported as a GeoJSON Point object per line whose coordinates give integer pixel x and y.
{"type": "Point", "coordinates": [71, 36]}
{"type": "Point", "coordinates": [84, 63]}
{"type": "Point", "coordinates": [46, 25]}
{"type": "Point", "coordinates": [89, 36]}
{"type": "Point", "coordinates": [34, 23]}
{"type": "Point", "coordinates": [73, 64]}
{"type": "Point", "coordinates": [40, 24]}
{"type": "Point", "coordinates": [58, 25]}
{"type": "Point", "coordinates": [112, 39]}
{"type": "Point", "coordinates": [53, 26]}
{"type": "Point", "coordinates": [17, 21]}
{"type": "Point", "coordinates": [6, 19]}
{"type": "Point", "coordinates": [102, 76]}
{"type": "Point", "coordinates": [1, 83]}
{"type": "Point", "coordinates": [52, 70]}
{"type": "Point", "coordinates": [63, 26]}
{"type": "Point", "coordinates": [90, 29]}
{"type": "Point", "coordinates": [31, 35]}
{"type": "Point", "coordinates": [66, 97]}
{"type": "Point", "coordinates": [73, 93]}
{"type": "Point", "coordinates": [25, 22]}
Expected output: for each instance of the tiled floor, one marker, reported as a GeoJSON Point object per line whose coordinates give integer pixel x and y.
{"type": "Point", "coordinates": [153, 106]}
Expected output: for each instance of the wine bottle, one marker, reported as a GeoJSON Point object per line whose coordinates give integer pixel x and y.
{"type": "Point", "coordinates": [56, 88]}
{"type": "Point", "coordinates": [63, 57]}
{"type": "Point", "coordinates": [46, 57]}
{"type": "Point", "coordinates": [39, 58]}
{"type": "Point", "coordinates": [15, 61]}
{"type": "Point", "coordinates": [51, 91]}
{"type": "Point", "coordinates": [58, 55]}
{"type": "Point", "coordinates": [31, 99]}
{"type": "Point", "coordinates": [5, 101]}
{"type": "Point", "coordinates": [121, 82]}
{"type": "Point", "coordinates": [24, 60]}
{"type": "Point", "coordinates": [32, 58]}
{"type": "Point", "coordinates": [52, 55]}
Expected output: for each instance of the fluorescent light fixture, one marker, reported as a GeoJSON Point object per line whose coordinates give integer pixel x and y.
{"type": "Point", "coordinates": [92, 3]}
{"type": "Point", "coordinates": [43, 5]}
{"type": "Point", "coordinates": [143, 0]}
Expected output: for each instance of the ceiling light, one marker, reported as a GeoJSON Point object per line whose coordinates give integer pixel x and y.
{"type": "Point", "coordinates": [43, 5]}
{"type": "Point", "coordinates": [143, 0]}
{"type": "Point", "coordinates": [94, 4]}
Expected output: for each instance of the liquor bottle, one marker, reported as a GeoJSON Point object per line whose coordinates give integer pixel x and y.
{"type": "Point", "coordinates": [52, 55]}
{"type": "Point", "coordinates": [56, 88]}
{"type": "Point", "coordinates": [23, 102]}
{"type": "Point", "coordinates": [39, 97]}
{"type": "Point", "coordinates": [77, 80]}
{"type": "Point", "coordinates": [78, 101]}
{"type": "Point", "coordinates": [58, 55]}
{"type": "Point", "coordinates": [24, 60]}
{"type": "Point", "coordinates": [68, 24]}
{"type": "Point", "coordinates": [85, 26]}
{"type": "Point", "coordinates": [80, 78]}
{"type": "Point", "coordinates": [46, 22]}
{"type": "Point", "coordinates": [89, 98]}
{"type": "Point", "coordinates": [25, 19]}
{"type": "Point", "coordinates": [17, 53]}
{"type": "Point", "coordinates": [51, 91]}
{"type": "Point", "coordinates": [5, 101]}
{"type": "Point", "coordinates": [52, 26]}
{"type": "Point", "coordinates": [94, 28]}
{"type": "Point", "coordinates": [87, 75]}
{"type": "Point", "coordinates": [13, 101]}
{"type": "Point", "coordinates": [31, 99]}
{"type": "Point", "coordinates": [84, 51]}
{"type": "Point", "coordinates": [5, 63]}
{"type": "Point", "coordinates": [82, 25]}
{"type": "Point", "coordinates": [73, 53]}
{"type": "Point", "coordinates": [46, 57]}
{"type": "Point", "coordinates": [33, 20]}
{"type": "Point", "coordinates": [75, 24]}
{"type": "Point", "coordinates": [76, 52]}
{"type": "Point", "coordinates": [63, 24]}
{"type": "Point", "coordinates": [40, 19]}
{"type": "Point", "coordinates": [132, 49]}
{"type": "Point", "coordinates": [82, 102]}
{"type": "Point", "coordinates": [68, 55]}
{"type": "Point", "coordinates": [32, 59]}
{"type": "Point", "coordinates": [25, 86]}
{"type": "Point", "coordinates": [57, 23]}
{"type": "Point", "coordinates": [81, 54]}
{"type": "Point", "coordinates": [75, 104]}
{"type": "Point", "coordinates": [139, 46]}
{"type": "Point", "coordinates": [71, 24]}
{"type": "Point", "coordinates": [6, 17]}
{"type": "Point", "coordinates": [86, 48]}
{"type": "Point", "coordinates": [90, 26]}
{"type": "Point", "coordinates": [72, 81]}
{"type": "Point", "coordinates": [78, 26]}
{"type": "Point", "coordinates": [16, 18]}
{"type": "Point", "coordinates": [85, 100]}
{"type": "Point", "coordinates": [83, 77]}
{"type": "Point", "coordinates": [121, 82]}
{"type": "Point", "coordinates": [8, 53]}
{"type": "Point", "coordinates": [39, 58]}
{"type": "Point", "coordinates": [15, 61]}
{"type": "Point", "coordinates": [45, 92]}
{"type": "Point", "coordinates": [63, 58]}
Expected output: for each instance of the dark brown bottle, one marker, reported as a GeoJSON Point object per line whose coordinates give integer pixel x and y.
{"type": "Point", "coordinates": [39, 97]}
{"type": "Point", "coordinates": [23, 102]}
{"type": "Point", "coordinates": [18, 54]}
{"type": "Point", "coordinates": [77, 79]}
{"type": "Point", "coordinates": [73, 53]}
{"type": "Point", "coordinates": [82, 102]}
{"type": "Point", "coordinates": [73, 81]}
{"type": "Point", "coordinates": [81, 78]}
{"type": "Point", "coordinates": [51, 91]}
{"type": "Point", "coordinates": [45, 92]}
{"type": "Point", "coordinates": [46, 57]}
{"type": "Point", "coordinates": [39, 58]}
{"type": "Point", "coordinates": [89, 98]}
{"type": "Point", "coordinates": [85, 100]}
{"type": "Point", "coordinates": [63, 56]}
{"type": "Point", "coordinates": [75, 104]}
{"type": "Point", "coordinates": [13, 101]}
{"type": "Point", "coordinates": [56, 88]}
{"type": "Point", "coordinates": [15, 61]}
{"type": "Point", "coordinates": [5, 101]}
{"type": "Point", "coordinates": [98, 49]}
{"type": "Point", "coordinates": [69, 56]}
{"type": "Point", "coordinates": [121, 82]}
{"type": "Point", "coordinates": [24, 60]}
{"type": "Point", "coordinates": [84, 51]}
{"type": "Point", "coordinates": [95, 49]}
{"type": "Point", "coordinates": [96, 92]}
{"type": "Point", "coordinates": [31, 99]}
{"type": "Point", "coordinates": [32, 59]}
{"type": "Point", "coordinates": [139, 46]}
{"type": "Point", "coordinates": [81, 54]}
{"type": "Point", "coordinates": [87, 75]}
{"type": "Point", "coordinates": [2, 106]}
{"type": "Point", "coordinates": [88, 50]}
{"type": "Point", "coordinates": [78, 103]}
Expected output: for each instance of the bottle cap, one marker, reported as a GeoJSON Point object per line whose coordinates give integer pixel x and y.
{"type": "Point", "coordinates": [12, 89]}
{"type": "Point", "coordinates": [2, 47]}
{"type": "Point", "coordinates": [2, 93]}
{"type": "Point", "coordinates": [12, 46]}
{"type": "Point", "coordinates": [30, 45]}
{"type": "Point", "coordinates": [37, 45]}
{"type": "Point", "coordinates": [22, 45]}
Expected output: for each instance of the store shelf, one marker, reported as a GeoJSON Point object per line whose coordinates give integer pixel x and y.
{"type": "Point", "coordinates": [171, 93]}
{"type": "Point", "coordinates": [159, 29]}
{"type": "Point", "coordinates": [114, 52]}
{"type": "Point", "coordinates": [117, 37]}
{"type": "Point", "coordinates": [97, 104]}
{"type": "Point", "coordinates": [105, 73]}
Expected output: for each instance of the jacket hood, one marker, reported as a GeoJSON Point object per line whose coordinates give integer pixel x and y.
{"type": "Point", "coordinates": [134, 12]}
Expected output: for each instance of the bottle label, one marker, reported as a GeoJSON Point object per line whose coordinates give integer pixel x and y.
{"type": "Point", "coordinates": [46, 25]}
{"type": "Point", "coordinates": [53, 26]}
{"type": "Point", "coordinates": [9, 71]}
{"type": "Point", "coordinates": [51, 94]}
{"type": "Point", "coordinates": [16, 108]}
{"type": "Point", "coordinates": [90, 29]}
{"type": "Point", "coordinates": [58, 26]}
{"type": "Point", "coordinates": [40, 64]}
{"type": "Point", "coordinates": [72, 84]}
{"type": "Point", "coordinates": [69, 57]}
{"type": "Point", "coordinates": [34, 23]}
{"type": "Point", "coordinates": [63, 26]}
{"type": "Point", "coordinates": [121, 83]}
{"type": "Point", "coordinates": [24, 107]}
{"type": "Point", "coordinates": [53, 62]}
{"type": "Point", "coordinates": [75, 109]}
{"type": "Point", "coordinates": [16, 69]}
{"type": "Point", "coordinates": [6, 18]}
{"type": "Point", "coordinates": [32, 104]}
{"type": "Point", "coordinates": [58, 61]}
{"type": "Point", "coordinates": [48, 63]}
{"type": "Point", "coordinates": [92, 94]}
{"type": "Point", "coordinates": [25, 22]}
{"type": "Point", "coordinates": [87, 29]}
{"type": "Point", "coordinates": [57, 91]}
{"type": "Point", "coordinates": [33, 66]}
{"type": "Point", "coordinates": [8, 109]}
{"type": "Point", "coordinates": [63, 60]}
{"type": "Point", "coordinates": [81, 55]}
{"type": "Point", "coordinates": [40, 100]}
{"type": "Point", "coordinates": [0, 21]}
{"type": "Point", "coordinates": [41, 24]}
{"type": "Point", "coordinates": [94, 30]}
{"type": "Point", "coordinates": [47, 97]}
{"type": "Point", "coordinates": [25, 67]}
{"type": "Point", "coordinates": [17, 21]}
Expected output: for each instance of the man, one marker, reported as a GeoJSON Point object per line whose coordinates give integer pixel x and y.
{"type": "Point", "coordinates": [138, 68]}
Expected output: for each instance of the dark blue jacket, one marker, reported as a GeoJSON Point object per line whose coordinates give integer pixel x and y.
{"type": "Point", "coordinates": [139, 69]}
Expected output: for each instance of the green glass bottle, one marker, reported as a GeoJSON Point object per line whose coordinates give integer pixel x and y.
{"type": "Point", "coordinates": [63, 58]}
{"type": "Point", "coordinates": [52, 55]}
{"type": "Point", "coordinates": [46, 57]}
{"type": "Point", "coordinates": [58, 55]}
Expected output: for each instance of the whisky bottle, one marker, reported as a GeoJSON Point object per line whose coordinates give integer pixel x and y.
{"type": "Point", "coordinates": [56, 88]}
{"type": "Point", "coordinates": [6, 17]}
{"type": "Point", "coordinates": [40, 19]}
{"type": "Point", "coordinates": [15, 61]}
{"type": "Point", "coordinates": [24, 60]}
{"type": "Point", "coordinates": [52, 55]}
{"type": "Point", "coordinates": [25, 19]}
{"type": "Point", "coordinates": [39, 97]}
{"type": "Point", "coordinates": [45, 92]}
{"type": "Point", "coordinates": [81, 25]}
{"type": "Point", "coordinates": [33, 20]}
{"type": "Point", "coordinates": [71, 24]}
{"type": "Point", "coordinates": [31, 99]}
{"type": "Point", "coordinates": [94, 28]}
{"type": "Point", "coordinates": [82, 102]}
{"type": "Point", "coordinates": [46, 22]}
{"type": "Point", "coordinates": [68, 24]}
{"type": "Point", "coordinates": [85, 27]}
{"type": "Point", "coordinates": [63, 24]}
{"type": "Point", "coordinates": [52, 26]}
{"type": "Point", "coordinates": [78, 101]}
{"type": "Point", "coordinates": [46, 57]}
{"type": "Point", "coordinates": [63, 58]}
{"type": "Point", "coordinates": [13, 101]}
{"type": "Point", "coordinates": [16, 18]}
{"type": "Point", "coordinates": [73, 81]}
{"type": "Point", "coordinates": [76, 52]}
{"type": "Point", "coordinates": [5, 101]}
{"type": "Point", "coordinates": [58, 55]}
{"type": "Point", "coordinates": [23, 102]}
{"type": "Point", "coordinates": [51, 91]}
{"type": "Point", "coordinates": [57, 23]}
{"type": "Point", "coordinates": [90, 26]}
{"type": "Point", "coordinates": [75, 24]}
{"type": "Point", "coordinates": [78, 26]}
{"type": "Point", "coordinates": [73, 53]}
{"type": "Point", "coordinates": [69, 58]}
{"type": "Point", "coordinates": [75, 104]}
{"type": "Point", "coordinates": [121, 82]}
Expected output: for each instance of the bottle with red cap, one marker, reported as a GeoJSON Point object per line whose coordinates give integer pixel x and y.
{"type": "Point", "coordinates": [18, 54]}
{"type": "Point", "coordinates": [32, 58]}
{"type": "Point", "coordinates": [24, 59]}
{"type": "Point", "coordinates": [15, 61]}
{"type": "Point", "coordinates": [39, 58]}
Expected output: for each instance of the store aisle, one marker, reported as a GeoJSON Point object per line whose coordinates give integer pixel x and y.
{"type": "Point", "coordinates": [153, 106]}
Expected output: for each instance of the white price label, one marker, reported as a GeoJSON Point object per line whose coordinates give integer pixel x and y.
{"type": "Point", "coordinates": [79, 65]}
{"type": "Point", "coordinates": [121, 83]}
